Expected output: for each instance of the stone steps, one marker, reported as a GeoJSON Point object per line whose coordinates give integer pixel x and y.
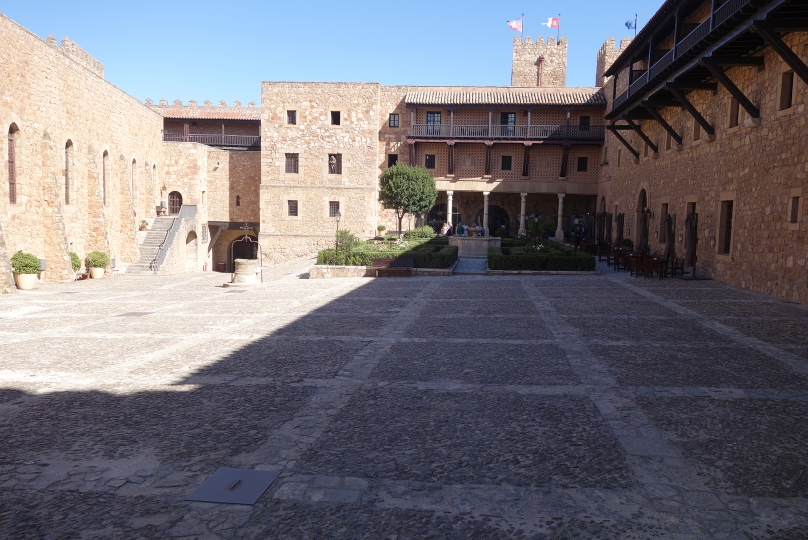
{"type": "Point", "coordinates": [151, 245]}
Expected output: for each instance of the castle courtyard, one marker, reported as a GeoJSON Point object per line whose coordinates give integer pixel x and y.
{"type": "Point", "coordinates": [599, 406]}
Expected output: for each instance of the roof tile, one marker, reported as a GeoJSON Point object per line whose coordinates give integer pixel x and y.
{"type": "Point", "coordinates": [507, 96]}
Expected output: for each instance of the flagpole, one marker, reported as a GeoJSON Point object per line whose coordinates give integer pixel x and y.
{"type": "Point", "coordinates": [559, 28]}
{"type": "Point", "coordinates": [635, 25]}
{"type": "Point", "coordinates": [523, 27]}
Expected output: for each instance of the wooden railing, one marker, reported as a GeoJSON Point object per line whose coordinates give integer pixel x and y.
{"type": "Point", "coordinates": [691, 40]}
{"type": "Point", "coordinates": [215, 139]}
{"type": "Point", "coordinates": [540, 131]}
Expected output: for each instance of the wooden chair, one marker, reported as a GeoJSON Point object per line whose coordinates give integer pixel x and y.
{"type": "Point", "coordinates": [677, 266]}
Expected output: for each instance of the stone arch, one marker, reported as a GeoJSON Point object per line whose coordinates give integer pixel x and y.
{"type": "Point", "coordinates": [191, 249]}
{"type": "Point", "coordinates": [174, 203]}
{"type": "Point", "coordinates": [497, 216]}
{"type": "Point", "coordinates": [438, 214]}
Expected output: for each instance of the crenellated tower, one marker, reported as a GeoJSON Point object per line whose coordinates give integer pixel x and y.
{"type": "Point", "coordinates": [540, 63]}
{"type": "Point", "coordinates": [607, 54]}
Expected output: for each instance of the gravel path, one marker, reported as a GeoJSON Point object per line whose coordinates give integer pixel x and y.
{"type": "Point", "coordinates": [542, 407]}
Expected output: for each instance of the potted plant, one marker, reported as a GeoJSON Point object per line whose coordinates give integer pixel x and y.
{"type": "Point", "coordinates": [26, 269]}
{"type": "Point", "coordinates": [75, 261]}
{"type": "Point", "coordinates": [381, 229]}
{"type": "Point", "coordinates": [96, 262]}
{"type": "Point", "coordinates": [144, 224]}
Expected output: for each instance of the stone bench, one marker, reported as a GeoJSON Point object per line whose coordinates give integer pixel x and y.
{"type": "Point", "coordinates": [392, 267]}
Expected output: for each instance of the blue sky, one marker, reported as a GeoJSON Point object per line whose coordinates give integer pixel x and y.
{"type": "Point", "coordinates": [223, 50]}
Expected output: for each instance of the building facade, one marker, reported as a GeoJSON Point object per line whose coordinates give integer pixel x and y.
{"type": "Point", "coordinates": [706, 116]}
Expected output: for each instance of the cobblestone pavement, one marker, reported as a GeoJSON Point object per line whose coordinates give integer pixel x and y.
{"type": "Point", "coordinates": [545, 407]}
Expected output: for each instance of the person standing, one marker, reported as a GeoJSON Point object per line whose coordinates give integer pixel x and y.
{"type": "Point", "coordinates": [460, 229]}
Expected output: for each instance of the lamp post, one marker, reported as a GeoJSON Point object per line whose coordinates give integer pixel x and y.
{"type": "Point", "coordinates": [409, 220]}
{"type": "Point", "coordinates": [338, 216]}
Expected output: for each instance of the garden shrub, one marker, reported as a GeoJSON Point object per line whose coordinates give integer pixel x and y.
{"type": "Point", "coordinates": [552, 256]}
{"type": "Point", "coordinates": [24, 263]}
{"type": "Point", "coordinates": [627, 243]}
{"type": "Point", "coordinates": [97, 259]}
{"type": "Point", "coordinates": [75, 261]}
{"type": "Point", "coordinates": [420, 232]}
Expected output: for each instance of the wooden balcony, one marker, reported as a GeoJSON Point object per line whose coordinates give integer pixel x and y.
{"type": "Point", "coordinates": [217, 139]}
{"type": "Point", "coordinates": [506, 132]}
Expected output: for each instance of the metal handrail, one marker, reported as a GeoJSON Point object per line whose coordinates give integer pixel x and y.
{"type": "Point", "coordinates": [692, 38]}
{"type": "Point", "coordinates": [663, 62]}
{"type": "Point", "coordinates": [214, 139]}
{"type": "Point", "coordinates": [727, 10]}
{"type": "Point", "coordinates": [187, 211]}
{"type": "Point", "coordinates": [507, 131]}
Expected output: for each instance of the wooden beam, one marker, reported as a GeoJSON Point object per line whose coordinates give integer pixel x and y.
{"type": "Point", "coordinates": [615, 127]}
{"type": "Point", "coordinates": [642, 135]}
{"type": "Point", "coordinates": [732, 88]}
{"type": "Point", "coordinates": [769, 35]}
{"type": "Point", "coordinates": [661, 104]}
{"type": "Point", "coordinates": [791, 25]}
{"type": "Point", "coordinates": [730, 61]}
{"type": "Point", "coordinates": [678, 94]}
{"type": "Point", "coordinates": [658, 117]}
{"type": "Point", "coordinates": [620, 138]}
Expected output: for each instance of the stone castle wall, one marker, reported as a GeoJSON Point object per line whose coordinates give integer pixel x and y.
{"type": "Point", "coordinates": [761, 169]}
{"type": "Point", "coordinates": [313, 138]}
{"type": "Point", "coordinates": [539, 64]}
{"type": "Point", "coordinates": [53, 95]}
{"type": "Point", "coordinates": [607, 54]}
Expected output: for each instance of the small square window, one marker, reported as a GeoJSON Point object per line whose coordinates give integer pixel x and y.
{"type": "Point", "coordinates": [292, 161]}
{"type": "Point", "coordinates": [392, 159]}
{"type": "Point", "coordinates": [291, 117]}
{"type": "Point", "coordinates": [333, 208]}
{"type": "Point", "coordinates": [292, 208]}
{"type": "Point", "coordinates": [786, 90]}
{"type": "Point", "coordinates": [393, 121]}
{"type": "Point", "coordinates": [734, 110]}
{"type": "Point", "coordinates": [429, 161]}
{"type": "Point", "coordinates": [335, 118]}
{"type": "Point", "coordinates": [583, 164]}
{"type": "Point", "coordinates": [507, 163]}
{"type": "Point", "coordinates": [334, 163]}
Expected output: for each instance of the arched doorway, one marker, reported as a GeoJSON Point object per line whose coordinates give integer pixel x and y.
{"type": "Point", "coordinates": [437, 216]}
{"type": "Point", "coordinates": [174, 203]}
{"type": "Point", "coordinates": [191, 249]}
{"type": "Point", "coordinates": [242, 249]}
{"type": "Point", "coordinates": [497, 217]}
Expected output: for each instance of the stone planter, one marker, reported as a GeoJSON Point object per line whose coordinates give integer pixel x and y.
{"type": "Point", "coordinates": [96, 273]}
{"type": "Point", "coordinates": [26, 282]}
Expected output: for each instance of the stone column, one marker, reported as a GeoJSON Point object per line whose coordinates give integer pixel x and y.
{"type": "Point", "coordinates": [449, 195]}
{"type": "Point", "coordinates": [522, 229]}
{"type": "Point", "coordinates": [559, 234]}
{"type": "Point", "coordinates": [485, 211]}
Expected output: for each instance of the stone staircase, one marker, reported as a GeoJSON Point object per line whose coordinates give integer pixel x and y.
{"type": "Point", "coordinates": [148, 249]}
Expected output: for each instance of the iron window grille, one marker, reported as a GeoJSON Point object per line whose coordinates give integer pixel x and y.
{"type": "Point", "coordinates": [334, 163]}
{"type": "Point", "coordinates": [12, 168]}
{"type": "Point", "coordinates": [291, 117]}
{"type": "Point", "coordinates": [393, 121]}
{"type": "Point", "coordinates": [333, 208]}
{"type": "Point", "coordinates": [292, 163]}
{"type": "Point", "coordinates": [292, 208]}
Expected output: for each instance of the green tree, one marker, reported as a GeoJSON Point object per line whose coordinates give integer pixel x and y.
{"type": "Point", "coordinates": [407, 189]}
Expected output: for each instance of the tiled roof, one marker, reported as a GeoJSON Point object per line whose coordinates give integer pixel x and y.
{"type": "Point", "coordinates": [507, 96]}
{"type": "Point", "coordinates": [208, 113]}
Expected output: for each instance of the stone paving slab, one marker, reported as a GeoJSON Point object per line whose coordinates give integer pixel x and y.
{"type": "Point", "coordinates": [546, 407]}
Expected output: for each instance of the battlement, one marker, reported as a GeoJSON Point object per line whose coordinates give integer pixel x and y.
{"type": "Point", "coordinates": [607, 54]}
{"type": "Point", "coordinates": [192, 103]}
{"type": "Point", "coordinates": [540, 63]}
{"type": "Point", "coordinates": [71, 49]}
{"type": "Point", "coordinates": [207, 110]}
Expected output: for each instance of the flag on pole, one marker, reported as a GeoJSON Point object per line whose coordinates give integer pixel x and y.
{"type": "Point", "coordinates": [516, 24]}
{"type": "Point", "coordinates": [631, 25]}
{"type": "Point", "coordinates": [552, 22]}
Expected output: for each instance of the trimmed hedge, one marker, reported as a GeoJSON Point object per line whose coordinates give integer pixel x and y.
{"type": "Point", "coordinates": [436, 253]}
{"type": "Point", "coordinates": [552, 257]}
{"type": "Point", "coordinates": [24, 263]}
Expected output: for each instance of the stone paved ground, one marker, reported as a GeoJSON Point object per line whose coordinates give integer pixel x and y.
{"type": "Point", "coordinates": [466, 407]}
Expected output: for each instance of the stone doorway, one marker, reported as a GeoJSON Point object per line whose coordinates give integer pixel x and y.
{"type": "Point", "coordinates": [174, 203]}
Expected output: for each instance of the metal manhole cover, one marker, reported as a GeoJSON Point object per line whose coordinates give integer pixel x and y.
{"type": "Point", "coordinates": [135, 314]}
{"type": "Point", "coordinates": [234, 486]}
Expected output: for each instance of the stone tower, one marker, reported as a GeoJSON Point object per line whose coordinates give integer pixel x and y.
{"type": "Point", "coordinates": [539, 64]}
{"type": "Point", "coordinates": [606, 57]}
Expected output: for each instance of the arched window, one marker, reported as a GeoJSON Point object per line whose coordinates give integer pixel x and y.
{"type": "Point", "coordinates": [68, 159]}
{"type": "Point", "coordinates": [12, 164]}
{"type": "Point", "coordinates": [174, 203]}
{"type": "Point", "coordinates": [104, 161]}
{"type": "Point", "coordinates": [238, 200]}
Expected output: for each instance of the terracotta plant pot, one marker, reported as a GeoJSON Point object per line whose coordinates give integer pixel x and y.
{"type": "Point", "coordinates": [26, 282]}
{"type": "Point", "coordinates": [96, 273]}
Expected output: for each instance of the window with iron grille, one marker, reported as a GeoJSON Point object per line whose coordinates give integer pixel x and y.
{"type": "Point", "coordinates": [392, 159]}
{"type": "Point", "coordinates": [292, 161]}
{"type": "Point", "coordinates": [333, 208]}
{"type": "Point", "coordinates": [334, 163]}
{"type": "Point", "coordinates": [734, 110]}
{"type": "Point", "coordinates": [725, 228]}
{"type": "Point", "coordinates": [291, 117]}
{"type": "Point", "coordinates": [429, 161]}
{"type": "Point", "coordinates": [204, 234]}
{"type": "Point", "coordinates": [507, 163]}
{"type": "Point", "coordinates": [393, 121]}
{"type": "Point", "coordinates": [291, 208]}
{"type": "Point", "coordinates": [12, 167]}
{"type": "Point", "coordinates": [335, 118]}
{"type": "Point", "coordinates": [786, 90]}
{"type": "Point", "coordinates": [583, 164]}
